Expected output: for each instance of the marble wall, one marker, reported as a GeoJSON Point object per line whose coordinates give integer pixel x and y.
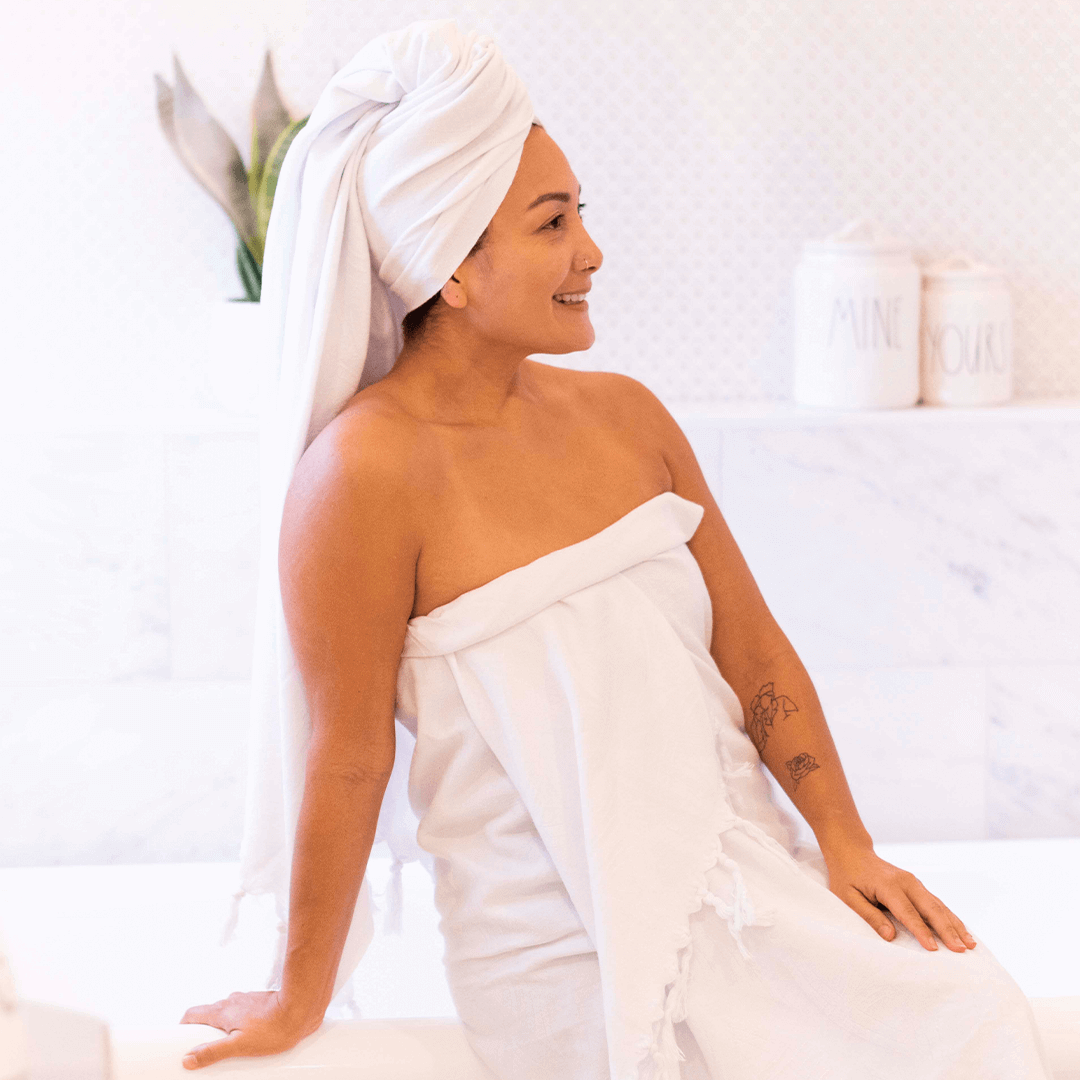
{"type": "Point", "coordinates": [924, 563]}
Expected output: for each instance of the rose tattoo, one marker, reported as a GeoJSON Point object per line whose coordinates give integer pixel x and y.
{"type": "Point", "coordinates": [800, 765]}
{"type": "Point", "coordinates": [763, 710]}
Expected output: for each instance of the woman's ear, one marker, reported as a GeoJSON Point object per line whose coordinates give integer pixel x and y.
{"type": "Point", "coordinates": [454, 294]}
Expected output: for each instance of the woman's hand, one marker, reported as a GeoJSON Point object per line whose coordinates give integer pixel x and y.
{"type": "Point", "coordinates": [256, 1024]}
{"type": "Point", "coordinates": [870, 886]}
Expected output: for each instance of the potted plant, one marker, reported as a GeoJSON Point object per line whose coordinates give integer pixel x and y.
{"type": "Point", "coordinates": [205, 149]}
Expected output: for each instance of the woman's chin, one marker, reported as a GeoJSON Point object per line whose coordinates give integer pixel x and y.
{"type": "Point", "coordinates": [579, 341]}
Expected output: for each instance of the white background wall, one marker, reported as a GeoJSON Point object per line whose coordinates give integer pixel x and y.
{"type": "Point", "coordinates": [925, 569]}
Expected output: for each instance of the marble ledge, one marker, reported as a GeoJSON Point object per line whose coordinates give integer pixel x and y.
{"type": "Point", "coordinates": [724, 413]}
{"type": "Point", "coordinates": [788, 414]}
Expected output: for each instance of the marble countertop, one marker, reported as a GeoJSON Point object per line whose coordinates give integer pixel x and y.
{"type": "Point", "coordinates": [726, 413]}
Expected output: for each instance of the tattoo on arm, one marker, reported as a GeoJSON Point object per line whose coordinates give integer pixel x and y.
{"type": "Point", "coordinates": [800, 765]}
{"type": "Point", "coordinates": [763, 711]}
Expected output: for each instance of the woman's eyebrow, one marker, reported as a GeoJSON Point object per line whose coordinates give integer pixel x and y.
{"type": "Point", "coordinates": [561, 196]}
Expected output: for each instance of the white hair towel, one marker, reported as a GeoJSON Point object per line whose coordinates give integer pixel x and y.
{"type": "Point", "coordinates": [405, 159]}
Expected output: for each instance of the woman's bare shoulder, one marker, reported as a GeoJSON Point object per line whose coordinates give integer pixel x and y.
{"type": "Point", "coordinates": [609, 391]}
{"type": "Point", "coordinates": [367, 465]}
{"type": "Point", "coordinates": [372, 432]}
{"type": "Point", "coordinates": [609, 395]}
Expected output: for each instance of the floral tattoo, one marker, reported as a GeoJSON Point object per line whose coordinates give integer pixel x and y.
{"type": "Point", "coordinates": [763, 711]}
{"type": "Point", "coordinates": [799, 766]}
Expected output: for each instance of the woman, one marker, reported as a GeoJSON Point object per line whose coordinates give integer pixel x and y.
{"type": "Point", "coordinates": [526, 564]}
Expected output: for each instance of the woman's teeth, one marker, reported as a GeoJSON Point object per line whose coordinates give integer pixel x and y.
{"type": "Point", "coordinates": [570, 298]}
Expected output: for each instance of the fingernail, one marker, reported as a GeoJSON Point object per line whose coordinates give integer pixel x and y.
{"type": "Point", "coordinates": [883, 931]}
{"type": "Point", "coordinates": [933, 944]}
{"type": "Point", "coordinates": [189, 1061]}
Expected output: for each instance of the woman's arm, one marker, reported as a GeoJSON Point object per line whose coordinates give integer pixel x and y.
{"type": "Point", "coordinates": [347, 560]}
{"type": "Point", "coordinates": [334, 837]}
{"type": "Point", "coordinates": [347, 564]}
{"type": "Point", "coordinates": [786, 724]}
{"type": "Point", "coordinates": [783, 715]}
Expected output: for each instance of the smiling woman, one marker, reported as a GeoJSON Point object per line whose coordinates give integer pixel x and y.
{"type": "Point", "coordinates": [417, 320]}
{"type": "Point", "coordinates": [531, 257]}
{"type": "Point", "coordinates": [521, 567]}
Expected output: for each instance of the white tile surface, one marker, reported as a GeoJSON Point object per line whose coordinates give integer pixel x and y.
{"type": "Point", "coordinates": [121, 772]}
{"type": "Point", "coordinates": [1033, 750]}
{"type": "Point", "coordinates": [141, 944]}
{"type": "Point", "coordinates": [138, 945]}
{"type": "Point", "coordinates": [212, 503]}
{"type": "Point", "coordinates": [912, 745]}
{"type": "Point", "coordinates": [925, 544]}
{"type": "Point", "coordinates": [84, 591]}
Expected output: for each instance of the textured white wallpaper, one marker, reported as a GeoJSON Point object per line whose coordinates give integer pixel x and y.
{"type": "Point", "coordinates": [921, 559]}
{"type": "Point", "coordinates": [711, 137]}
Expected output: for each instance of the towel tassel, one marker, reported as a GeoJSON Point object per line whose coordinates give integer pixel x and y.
{"type": "Point", "coordinates": [392, 921]}
{"type": "Point", "coordinates": [273, 981]}
{"type": "Point", "coordinates": [228, 931]}
{"type": "Point", "coordinates": [666, 1052]}
{"type": "Point", "coordinates": [740, 912]}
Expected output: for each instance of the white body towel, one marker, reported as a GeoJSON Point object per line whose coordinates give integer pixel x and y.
{"type": "Point", "coordinates": [618, 887]}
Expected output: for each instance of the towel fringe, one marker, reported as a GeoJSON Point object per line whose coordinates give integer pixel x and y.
{"type": "Point", "coordinates": [739, 913]}
{"type": "Point", "coordinates": [392, 920]}
{"type": "Point", "coordinates": [665, 1050]}
{"type": "Point", "coordinates": [277, 968]}
{"type": "Point", "coordinates": [228, 931]}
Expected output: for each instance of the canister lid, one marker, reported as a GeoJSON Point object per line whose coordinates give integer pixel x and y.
{"type": "Point", "coordinates": [859, 237]}
{"type": "Point", "coordinates": [961, 269]}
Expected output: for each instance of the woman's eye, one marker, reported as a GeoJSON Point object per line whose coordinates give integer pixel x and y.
{"type": "Point", "coordinates": [558, 217]}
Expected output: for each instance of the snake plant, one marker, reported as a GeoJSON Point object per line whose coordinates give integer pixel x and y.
{"type": "Point", "coordinates": [209, 154]}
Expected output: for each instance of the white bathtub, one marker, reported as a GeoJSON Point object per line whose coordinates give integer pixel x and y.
{"type": "Point", "coordinates": [113, 955]}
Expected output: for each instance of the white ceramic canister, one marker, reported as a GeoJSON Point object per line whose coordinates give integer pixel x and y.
{"type": "Point", "coordinates": [967, 334]}
{"type": "Point", "coordinates": [857, 295]}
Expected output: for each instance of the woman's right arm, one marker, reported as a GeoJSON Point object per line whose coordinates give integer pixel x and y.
{"type": "Point", "coordinates": [347, 562]}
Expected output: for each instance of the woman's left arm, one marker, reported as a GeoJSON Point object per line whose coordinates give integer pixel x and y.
{"type": "Point", "coordinates": [786, 724]}
{"type": "Point", "coordinates": [783, 715]}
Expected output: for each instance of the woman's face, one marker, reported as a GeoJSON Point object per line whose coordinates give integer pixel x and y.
{"type": "Point", "coordinates": [536, 249]}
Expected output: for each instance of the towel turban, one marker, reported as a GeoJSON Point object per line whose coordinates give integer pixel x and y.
{"type": "Point", "coordinates": [405, 159]}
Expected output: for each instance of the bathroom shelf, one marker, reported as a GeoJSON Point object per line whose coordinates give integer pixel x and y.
{"type": "Point", "coordinates": [786, 414]}
{"type": "Point", "coordinates": [724, 413]}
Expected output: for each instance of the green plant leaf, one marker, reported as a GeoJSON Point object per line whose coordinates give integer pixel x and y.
{"type": "Point", "coordinates": [264, 199]}
{"type": "Point", "coordinates": [249, 270]}
{"type": "Point", "coordinates": [207, 151]}
{"type": "Point", "coordinates": [269, 118]}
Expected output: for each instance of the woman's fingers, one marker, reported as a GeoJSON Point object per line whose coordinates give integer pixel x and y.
{"type": "Point", "coordinates": [948, 926]}
{"type": "Point", "coordinates": [919, 910]}
{"type": "Point", "coordinates": [255, 1025]}
{"type": "Point", "coordinates": [870, 912]}
{"type": "Point", "coordinates": [203, 1014]}
{"type": "Point", "coordinates": [207, 1053]}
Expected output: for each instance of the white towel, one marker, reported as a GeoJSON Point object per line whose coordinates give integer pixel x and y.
{"type": "Point", "coordinates": [404, 161]}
